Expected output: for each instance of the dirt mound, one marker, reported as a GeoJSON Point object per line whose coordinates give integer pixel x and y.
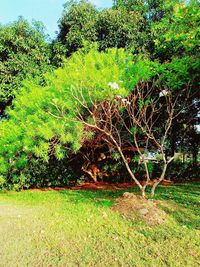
{"type": "Point", "coordinates": [136, 207]}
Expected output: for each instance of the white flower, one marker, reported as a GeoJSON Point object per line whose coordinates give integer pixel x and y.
{"type": "Point", "coordinates": [163, 93]}
{"type": "Point", "coordinates": [114, 85]}
{"type": "Point", "coordinates": [124, 100]}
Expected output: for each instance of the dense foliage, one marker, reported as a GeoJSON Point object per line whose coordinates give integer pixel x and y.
{"type": "Point", "coordinates": [114, 27]}
{"type": "Point", "coordinates": [24, 53]}
{"type": "Point", "coordinates": [53, 109]}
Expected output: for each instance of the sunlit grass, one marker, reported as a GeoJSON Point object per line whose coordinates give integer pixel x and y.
{"type": "Point", "coordinates": [78, 228]}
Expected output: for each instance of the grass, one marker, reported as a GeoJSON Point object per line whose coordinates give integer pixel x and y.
{"type": "Point", "coordinates": [78, 228]}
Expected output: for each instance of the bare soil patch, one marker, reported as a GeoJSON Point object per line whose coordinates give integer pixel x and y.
{"type": "Point", "coordinates": [97, 186]}
{"type": "Point", "coordinates": [90, 186]}
{"type": "Point", "coordinates": [133, 207]}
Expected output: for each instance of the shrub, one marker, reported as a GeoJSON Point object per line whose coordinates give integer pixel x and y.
{"type": "Point", "coordinates": [183, 172]}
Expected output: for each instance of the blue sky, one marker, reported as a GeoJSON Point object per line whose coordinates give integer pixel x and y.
{"type": "Point", "coordinates": [47, 11]}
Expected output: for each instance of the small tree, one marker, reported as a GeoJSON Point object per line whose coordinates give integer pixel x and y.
{"type": "Point", "coordinates": [142, 121]}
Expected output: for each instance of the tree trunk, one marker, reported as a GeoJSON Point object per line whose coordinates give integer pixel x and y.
{"type": "Point", "coordinates": [159, 180]}
{"type": "Point", "coordinates": [129, 169]}
{"type": "Point", "coordinates": [143, 191]}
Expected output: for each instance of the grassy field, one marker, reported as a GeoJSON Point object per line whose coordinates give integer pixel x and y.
{"type": "Point", "coordinates": [78, 228]}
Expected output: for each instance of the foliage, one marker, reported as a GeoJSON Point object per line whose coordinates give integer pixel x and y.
{"type": "Point", "coordinates": [114, 27]}
{"type": "Point", "coordinates": [176, 41]}
{"type": "Point", "coordinates": [55, 172]}
{"type": "Point", "coordinates": [119, 28]}
{"type": "Point", "coordinates": [179, 35]}
{"type": "Point", "coordinates": [178, 172]}
{"type": "Point", "coordinates": [57, 53]}
{"type": "Point", "coordinates": [52, 111]}
{"type": "Point", "coordinates": [77, 25]}
{"type": "Point", "coordinates": [24, 53]}
{"type": "Point", "coordinates": [151, 12]}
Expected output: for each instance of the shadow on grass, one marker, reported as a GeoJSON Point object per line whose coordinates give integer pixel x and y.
{"type": "Point", "coordinates": [104, 198]}
{"type": "Point", "coordinates": [186, 196]}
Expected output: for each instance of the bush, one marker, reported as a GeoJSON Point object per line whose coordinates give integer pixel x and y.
{"type": "Point", "coordinates": [183, 172]}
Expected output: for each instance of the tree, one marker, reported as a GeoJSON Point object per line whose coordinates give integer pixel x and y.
{"type": "Point", "coordinates": [114, 27]}
{"type": "Point", "coordinates": [131, 121]}
{"type": "Point", "coordinates": [105, 94]}
{"type": "Point", "coordinates": [77, 25]}
{"type": "Point", "coordinates": [23, 53]}
{"type": "Point", "coordinates": [120, 28]}
{"type": "Point", "coordinates": [177, 44]}
{"type": "Point", "coordinates": [51, 111]}
{"type": "Point", "coordinates": [177, 35]}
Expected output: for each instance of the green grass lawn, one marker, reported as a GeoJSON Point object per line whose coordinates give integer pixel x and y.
{"type": "Point", "coordinates": [78, 228]}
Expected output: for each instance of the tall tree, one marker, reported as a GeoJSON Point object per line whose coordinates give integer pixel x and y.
{"type": "Point", "coordinates": [120, 28]}
{"type": "Point", "coordinates": [112, 27]}
{"type": "Point", "coordinates": [177, 44]}
{"type": "Point", "coordinates": [23, 52]}
{"type": "Point", "coordinates": [77, 25]}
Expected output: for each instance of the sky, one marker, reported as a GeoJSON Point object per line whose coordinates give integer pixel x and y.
{"type": "Point", "coordinates": [47, 11]}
